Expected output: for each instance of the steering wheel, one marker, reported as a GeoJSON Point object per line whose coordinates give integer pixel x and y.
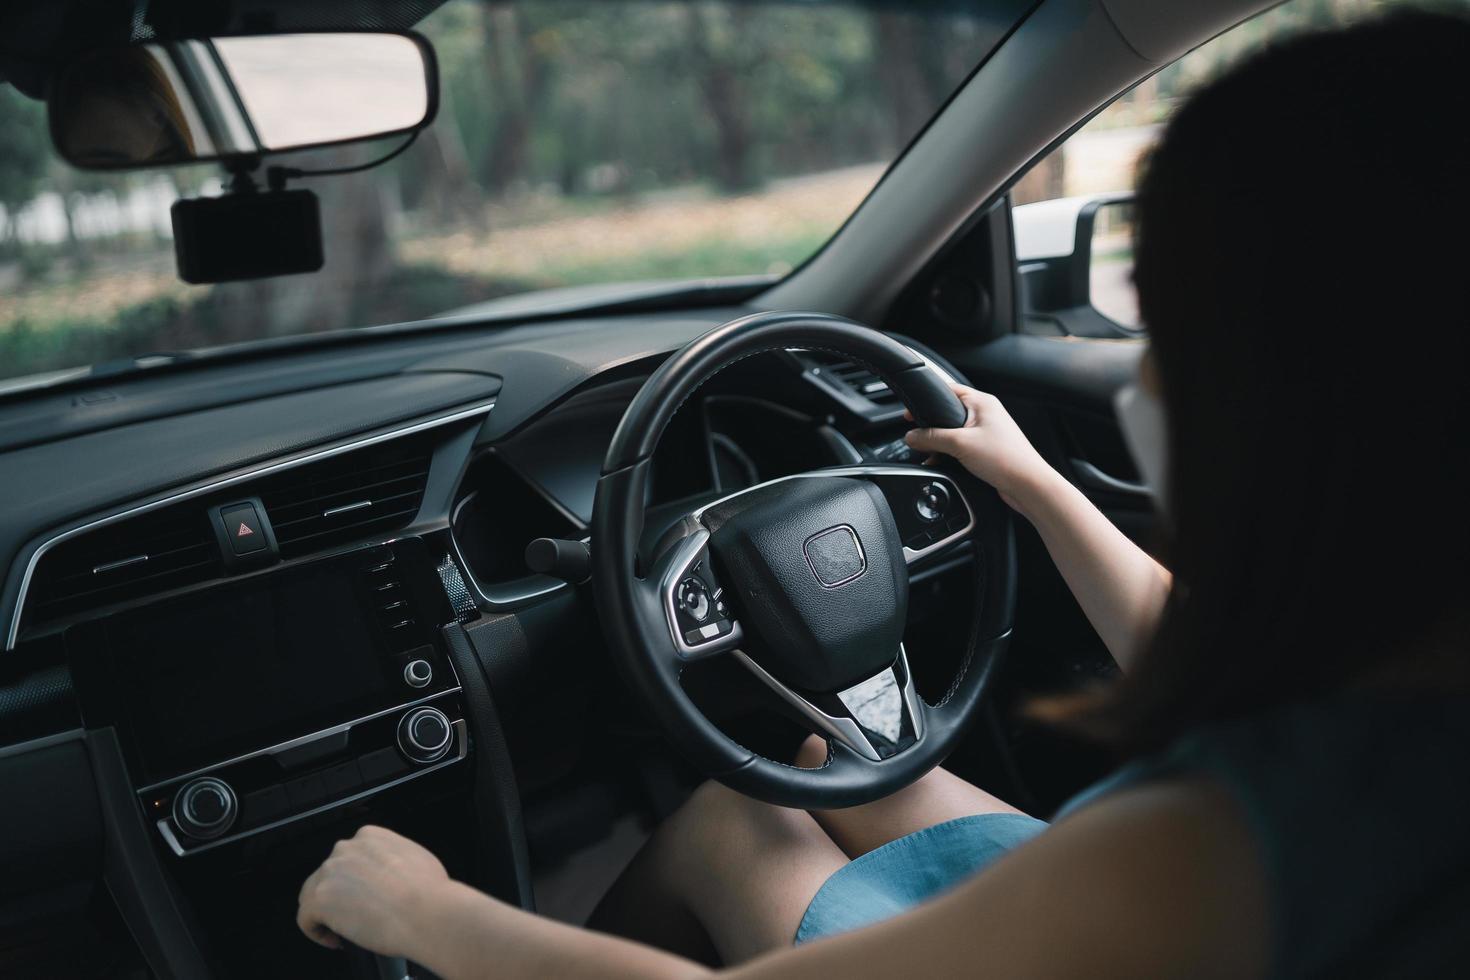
{"type": "Point", "coordinates": [803, 580]}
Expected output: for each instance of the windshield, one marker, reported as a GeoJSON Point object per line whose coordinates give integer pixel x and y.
{"type": "Point", "coordinates": [576, 144]}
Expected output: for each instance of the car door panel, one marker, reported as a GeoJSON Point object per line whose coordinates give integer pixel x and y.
{"type": "Point", "coordinates": [1060, 391]}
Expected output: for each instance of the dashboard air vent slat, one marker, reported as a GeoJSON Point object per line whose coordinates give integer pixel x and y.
{"type": "Point", "coordinates": [167, 549]}
{"type": "Point", "coordinates": [854, 377]}
{"type": "Point", "coordinates": [370, 491]}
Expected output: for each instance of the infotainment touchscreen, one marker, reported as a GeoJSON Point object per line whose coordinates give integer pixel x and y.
{"type": "Point", "coordinates": [245, 666]}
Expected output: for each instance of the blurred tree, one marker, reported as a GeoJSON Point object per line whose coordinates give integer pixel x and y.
{"type": "Point", "coordinates": [518, 60]}
{"type": "Point", "coordinates": [26, 155]}
{"type": "Point", "coordinates": [445, 188]}
{"type": "Point", "coordinates": [722, 59]}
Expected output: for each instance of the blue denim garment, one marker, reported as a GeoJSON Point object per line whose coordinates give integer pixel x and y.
{"type": "Point", "coordinates": [1358, 805]}
{"type": "Point", "coordinates": [902, 873]}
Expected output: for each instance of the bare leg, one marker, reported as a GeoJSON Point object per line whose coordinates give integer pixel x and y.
{"type": "Point", "coordinates": [726, 871]}
{"type": "Point", "coordinates": [937, 797]}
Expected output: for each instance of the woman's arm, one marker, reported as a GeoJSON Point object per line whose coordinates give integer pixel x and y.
{"type": "Point", "coordinates": [387, 894]}
{"type": "Point", "coordinates": [1157, 881]}
{"type": "Point", "coordinates": [1120, 588]}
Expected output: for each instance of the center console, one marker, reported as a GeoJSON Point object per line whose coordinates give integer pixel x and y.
{"type": "Point", "coordinates": [269, 700]}
{"type": "Point", "coordinates": [258, 720]}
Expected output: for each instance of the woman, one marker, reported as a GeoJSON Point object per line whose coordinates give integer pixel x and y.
{"type": "Point", "coordinates": [1295, 695]}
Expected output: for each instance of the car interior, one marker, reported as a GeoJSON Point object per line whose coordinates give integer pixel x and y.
{"type": "Point", "coordinates": [514, 580]}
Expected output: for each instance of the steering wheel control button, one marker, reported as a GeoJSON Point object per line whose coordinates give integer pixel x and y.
{"type": "Point", "coordinates": [694, 598]}
{"type": "Point", "coordinates": [424, 735]}
{"type": "Point", "coordinates": [932, 502]}
{"type": "Point", "coordinates": [243, 529]}
{"type": "Point", "coordinates": [708, 631]}
{"type": "Point", "coordinates": [205, 808]}
{"type": "Point", "coordinates": [418, 673]}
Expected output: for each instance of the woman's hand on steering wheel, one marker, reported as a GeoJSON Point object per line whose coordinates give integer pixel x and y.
{"type": "Point", "coordinates": [990, 445]}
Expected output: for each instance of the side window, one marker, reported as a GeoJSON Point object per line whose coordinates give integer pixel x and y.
{"type": "Point", "coordinates": [1072, 212]}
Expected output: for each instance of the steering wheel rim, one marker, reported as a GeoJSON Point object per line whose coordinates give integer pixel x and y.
{"type": "Point", "coordinates": [643, 622]}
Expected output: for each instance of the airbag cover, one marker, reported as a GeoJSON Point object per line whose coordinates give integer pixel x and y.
{"type": "Point", "coordinates": [820, 584]}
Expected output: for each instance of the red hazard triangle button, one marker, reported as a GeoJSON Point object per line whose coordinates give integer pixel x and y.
{"type": "Point", "coordinates": [242, 527]}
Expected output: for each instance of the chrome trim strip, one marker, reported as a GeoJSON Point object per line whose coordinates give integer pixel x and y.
{"type": "Point", "coordinates": [113, 566]}
{"type": "Point", "coordinates": [299, 741]}
{"type": "Point", "coordinates": [911, 695]}
{"type": "Point", "coordinates": [845, 730]}
{"type": "Point", "coordinates": [910, 555]}
{"type": "Point", "coordinates": [173, 842]}
{"type": "Point", "coordinates": [686, 552]}
{"type": "Point", "coordinates": [346, 508]}
{"type": "Point", "coordinates": [249, 474]}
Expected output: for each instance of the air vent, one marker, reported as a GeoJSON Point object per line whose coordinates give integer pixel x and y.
{"type": "Point", "coordinates": [163, 550]}
{"type": "Point", "coordinates": [854, 377]}
{"type": "Point", "coordinates": [370, 491]}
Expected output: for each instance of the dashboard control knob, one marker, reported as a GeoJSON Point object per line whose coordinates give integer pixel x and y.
{"type": "Point", "coordinates": [205, 808]}
{"type": "Point", "coordinates": [418, 673]}
{"type": "Point", "coordinates": [932, 502]}
{"type": "Point", "coordinates": [424, 735]}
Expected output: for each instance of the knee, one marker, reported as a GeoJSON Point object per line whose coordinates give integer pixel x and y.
{"type": "Point", "coordinates": [812, 754]}
{"type": "Point", "coordinates": [715, 811]}
{"type": "Point", "coordinates": [723, 823]}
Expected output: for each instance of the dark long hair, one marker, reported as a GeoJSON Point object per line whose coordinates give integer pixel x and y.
{"type": "Point", "coordinates": [1302, 268]}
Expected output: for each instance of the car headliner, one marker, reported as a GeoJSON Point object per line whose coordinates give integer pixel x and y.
{"type": "Point", "coordinates": [37, 34]}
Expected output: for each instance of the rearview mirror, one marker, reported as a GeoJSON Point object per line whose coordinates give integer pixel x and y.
{"type": "Point", "coordinates": [178, 102]}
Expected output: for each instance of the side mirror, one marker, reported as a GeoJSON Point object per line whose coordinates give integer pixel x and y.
{"type": "Point", "coordinates": [178, 102]}
{"type": "Point", "coordinates": [1075, 262]}
{"type": "Point", "coordinates": [1105, 239]}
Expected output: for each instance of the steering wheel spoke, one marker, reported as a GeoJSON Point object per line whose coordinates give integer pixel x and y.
{"type": "Point", "coordinates": [700, 622]}
{"type": "Point", "coordinates": [876, 718]}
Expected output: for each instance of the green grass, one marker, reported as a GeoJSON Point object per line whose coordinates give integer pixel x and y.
{"type": "Point", "coordinates": [36, 344]}
{"type": "Point", "coordinates": [709, 258]}
{"type": "Point", "coordinates": [31, 346]}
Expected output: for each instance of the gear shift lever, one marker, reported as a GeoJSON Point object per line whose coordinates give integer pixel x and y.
{"type": "Point", "coordinates": [370, 966]}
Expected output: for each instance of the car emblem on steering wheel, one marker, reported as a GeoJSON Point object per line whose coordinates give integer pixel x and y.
{"type": "Point", "coordinates": [835, 556]}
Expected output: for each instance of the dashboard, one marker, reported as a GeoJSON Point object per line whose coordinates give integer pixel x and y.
{"type": "Point", "coordinates": [252, 605]}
